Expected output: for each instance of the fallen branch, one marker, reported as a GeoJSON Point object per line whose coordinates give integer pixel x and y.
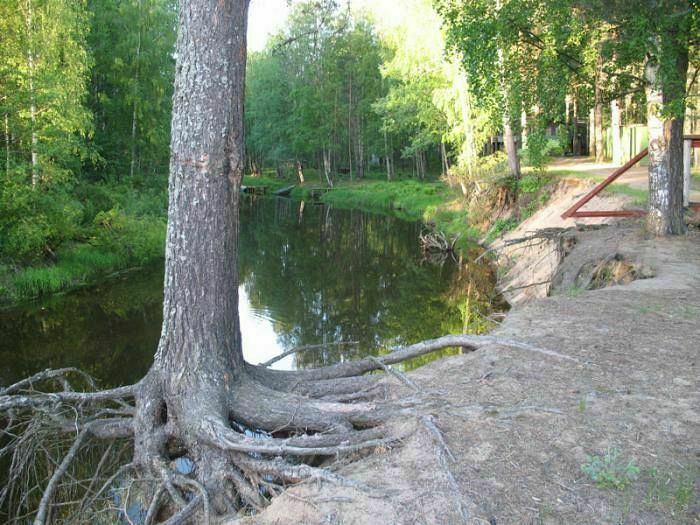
{"type": "Point", "coordinates": [437, 241]}
{"type": "Point", "coordinates": [49, 373]}
{"type": "Point", "coordinates": [42, 511]}
{"type": "Point", "coordinates": [10, 401]}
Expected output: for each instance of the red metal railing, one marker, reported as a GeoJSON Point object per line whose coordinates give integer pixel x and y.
{"type": "Point", "coordinates": [573, 211]}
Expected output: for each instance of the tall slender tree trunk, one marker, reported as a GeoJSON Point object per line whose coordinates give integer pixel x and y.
{"type": "Point", "coordinates": [591, 133]}
{"type": "Point", "coordinates": [7, 145]}
{"type": "Point", "coordinates": [300, 172]}
{"type": "Point", "coordinates": [523, 129]}
{"type": "Point", "coordinates": [134, 113]}
{"type": "Point", "coordinates": [469, 145]}
{"type": "Point", "coordinates": [360, 151]}
{"type": "Point", "coordinates": [616, 130]}
{"type": "Point", "coordinates": [598, 113]}
{"type": "Point", "coordinates": [444, 159]}
{"type": "Point", "coordinates": [598, 131]}
{"type": "Point", "coordinates": [665, 214]}
{"type": "Point", "coordinates": [511, 148]}
{"type": "Point", "coordinates": [32, 93]}
{"type": "Point", "coordinates": [576, 141]}
{"type": "Point", "coordinates": [570, 128]}
{"type": "Point", "coordinates": [327, 166]}
{"type": "Point", "coordinates": [508, 138]}
{"type": "Point", "coordinates": [387, 158]}
{"type": "Point", "coordinates": [350, 125]}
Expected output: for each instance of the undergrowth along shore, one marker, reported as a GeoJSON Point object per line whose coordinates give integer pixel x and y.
{"type": "Point", "coordinates": [78, 238]}
{"type": "Point", "coordinates": [123, 228]}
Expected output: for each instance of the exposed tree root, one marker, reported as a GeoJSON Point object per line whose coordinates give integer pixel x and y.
{"type": "Point", "coordinates": [65, 447]}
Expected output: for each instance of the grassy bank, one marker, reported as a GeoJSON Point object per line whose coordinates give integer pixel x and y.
{"type": "Point", "coordinates": [267, 181]}
{"type": "Point", "coordinates": [57, 241]}
{"type": "Point", "coordinates": [431, 202]}
{"type": "Point", "coordinates": [114, 227]}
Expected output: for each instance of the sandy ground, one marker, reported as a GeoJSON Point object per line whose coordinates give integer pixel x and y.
{"type": "Point", "coordinates": [622, 379]}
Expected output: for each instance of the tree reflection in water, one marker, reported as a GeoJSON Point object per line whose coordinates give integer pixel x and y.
{"type": "Point", "coordinates": [311, 274]}
{"type": "Point", "coordinates": [327, 275]}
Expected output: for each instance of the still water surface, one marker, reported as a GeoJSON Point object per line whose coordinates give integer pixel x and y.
{"type": "Point", "coordinates": [309, 275]}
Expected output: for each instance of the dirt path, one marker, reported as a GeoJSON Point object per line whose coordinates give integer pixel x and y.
{"type": "Point", "coordinates": [520, 436]}
{"type": "Point", "coordinates": [637, 176]}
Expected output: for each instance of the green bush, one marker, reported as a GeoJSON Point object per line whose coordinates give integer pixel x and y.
{"type": "Point", "coordinates": [609, 471]}
{"type": "Point", "coordinates": [539, 150]}
{"type": "Point", "coordinates": [137, 240]}
{"type": "Point", "coordinates": [531, 183]}
{"type": "Point", "coordinates": [35, 221]}
{"type": "Point", "coordinates": [499, 227]}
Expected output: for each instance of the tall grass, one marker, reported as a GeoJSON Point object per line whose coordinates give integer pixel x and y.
{"type": "Point", "coordinates": [76, 266]}
{"type": "Point", "coordinates": [408, 198]}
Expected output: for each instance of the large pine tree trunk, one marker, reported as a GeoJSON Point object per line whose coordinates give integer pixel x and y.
{"type": "Point", "coordinates": [199, 356]}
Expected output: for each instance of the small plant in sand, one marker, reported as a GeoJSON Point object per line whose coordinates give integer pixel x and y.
{"type": "Point", "coordinates": [610, 471]}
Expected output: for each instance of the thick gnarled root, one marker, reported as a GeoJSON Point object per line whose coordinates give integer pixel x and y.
{"type": "Point", "coordinates": [69, 449]}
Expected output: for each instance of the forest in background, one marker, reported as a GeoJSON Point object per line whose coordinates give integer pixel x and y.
{"type": "Point", "coordinates": [346, 92]}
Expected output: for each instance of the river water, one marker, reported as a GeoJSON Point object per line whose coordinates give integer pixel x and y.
{"type": "Point", "coordinates": [309, 274]}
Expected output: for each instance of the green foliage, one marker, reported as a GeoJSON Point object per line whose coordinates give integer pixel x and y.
{"type": "Point", "coordinates": [582, 405]}
{"type": "Point", "coordinates": [539, 150]}
{"type": "Point", "coordinates": [135, 239]}
{"type": "Point", "coordinates": [409, 198]}
{"type": "Point", "coordinates": [610, 471]}
{"type": "Point", "coordinates": [309, 94]}
{"type": "Point", "coordinates": [264, 182]}
{"type": "Point", "coordinates": [72, 237]}
{"type": "Point", "coordinates": [531, 183]}
{"type": "Point", "coordinates": [499, 227]}
{"type": "Point", "coordinates": [44, 68]}
{"type": "Point", "coordinates": [132, 43]}
{"type": "Point", "coordinates": [35, 221]}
